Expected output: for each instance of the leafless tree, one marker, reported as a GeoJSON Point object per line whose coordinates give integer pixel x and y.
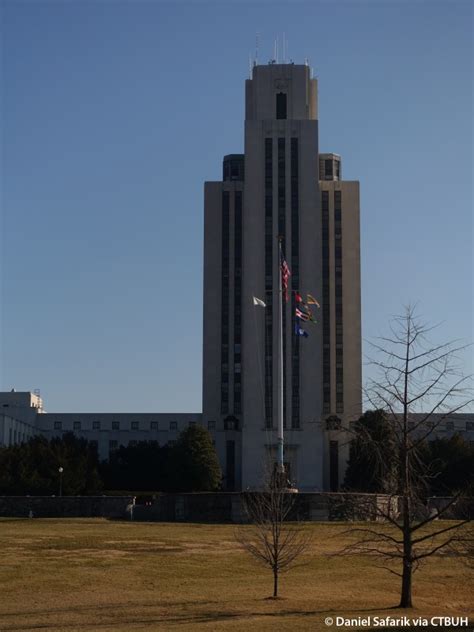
{"type": "Point", "coordinates": [270, 537]}
{"type": "Point", "coordinates": [420, 386]}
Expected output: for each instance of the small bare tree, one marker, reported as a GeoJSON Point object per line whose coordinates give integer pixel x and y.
{"type": "Point", "coordinates": [419, 386]}
{"type": "Point", "coordinates": [270, 538]}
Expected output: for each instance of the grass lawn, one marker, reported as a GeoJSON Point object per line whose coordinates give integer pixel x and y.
{"type": "Point", "coordinates": [94, 574]}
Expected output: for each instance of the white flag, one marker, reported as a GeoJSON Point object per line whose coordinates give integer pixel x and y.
{"type": "Point", "coordinates": [257, 301]}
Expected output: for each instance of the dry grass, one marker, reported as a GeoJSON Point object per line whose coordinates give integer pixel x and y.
{"type": "Point", "coordinates": [92, 574]}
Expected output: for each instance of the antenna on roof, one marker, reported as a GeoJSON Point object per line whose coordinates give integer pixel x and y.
{"type": "Point", "coordinates": [275, 52]}
{"type": "Point", "coordinates": [256, 48]}
{"type": "Point", "coordinates": [250, 65]}
{"type": "Point", "coordinates": [284, 49]}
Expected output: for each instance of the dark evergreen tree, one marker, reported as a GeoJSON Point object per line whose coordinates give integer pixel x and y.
{"type": "Point", "coordinates": [450, 464]}
{"type": "Point", "coordinates": [372, 466]}
{"type": "Point", "coordinates": [193, 462]}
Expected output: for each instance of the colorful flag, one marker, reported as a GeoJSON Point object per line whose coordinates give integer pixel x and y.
{"type": "Point", "coordinates": [285, 275]}
{"type": "Point", "coordinates": [302, 315]}
{"type": "Point", "coordinates": [298, 297]}
{"type": "Point", "coordinates": [258, 301]}
{"type": "Point", "coordinates": [312, 301]}
{"type": "Point", "coordinates": [299, 331]}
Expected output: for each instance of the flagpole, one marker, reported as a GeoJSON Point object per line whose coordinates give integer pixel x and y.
{"type": "Point", "coordinates": [280, 438]}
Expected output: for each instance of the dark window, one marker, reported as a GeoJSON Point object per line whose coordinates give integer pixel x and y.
{"type": "Point", "coordinates": [338, 299]}
{"type": "Point", "coordinates": [450, 425]}
{"type": "Point", "coordinates": [173, 425]}
{"type": "Point", "coordinates": [469, 425]}
{"type": "Point", "coordinates": [333, 466]}
{"type": "Point", "coordinates": [230, 465]}
{"type": "Point", "coordinates": [326, 303]}
{"type": "Point", "coordinates": [192, 423]}
{"type": "Point", "coordinates": [96, 425]}
{"type": "Point", "coordinates": [328, 167]}
{"type": "Point", "coordinates": [58, 425]}
{"type": "Point", "coordinates": [281, 105]}
{"type": "Point", "coordinates": [231, 423]}
{"type": "Point", "coordinates": [115, 425]}
{"type": "Point", "coordinates": [113, 444]}
{"type": "Point", "coordinates": [211, 425]}
{"type": "Point", "coordinates": [153, 425]}
{"type": "Point", "coordinates": [76, 425]}
{"type": "Point", "coordinates": [134, 425]}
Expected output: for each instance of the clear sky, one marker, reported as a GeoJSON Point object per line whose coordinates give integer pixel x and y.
{"type": "Point", "coordinates": [115, 113]}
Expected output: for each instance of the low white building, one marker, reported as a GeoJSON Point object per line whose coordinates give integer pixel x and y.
{"type": "Point", "coordinates": [22, 416]}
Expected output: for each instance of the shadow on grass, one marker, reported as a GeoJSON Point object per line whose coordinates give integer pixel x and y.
{"type": "Point", "coordinates": [209, 616]}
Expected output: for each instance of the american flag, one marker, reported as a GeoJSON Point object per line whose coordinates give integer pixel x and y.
{"type": "Point", "coordinates": [285, 275]}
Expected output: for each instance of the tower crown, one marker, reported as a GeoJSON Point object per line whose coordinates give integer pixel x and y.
{"type": "Point", "coordinates": [281, 91]}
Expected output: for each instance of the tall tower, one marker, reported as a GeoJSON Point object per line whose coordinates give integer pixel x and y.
{"type": "Point", "coordinates": [274, 190]}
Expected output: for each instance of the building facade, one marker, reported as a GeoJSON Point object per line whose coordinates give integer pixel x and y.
{"type": "Point", "coordinates": [281, 189]}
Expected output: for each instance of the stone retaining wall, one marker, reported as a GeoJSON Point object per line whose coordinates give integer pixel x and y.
{"type": "Point", "coordinates": [64, 506]}
{"type": "Point", "coordinates": [228, 507]}
{"type": "Point", "coordinates": [199, 507]}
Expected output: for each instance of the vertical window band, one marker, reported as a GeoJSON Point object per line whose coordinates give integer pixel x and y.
{"type": "Point", "coordinates": [225, 304]}
{"type": "Point", "coordinates": [268, 282]}
{"type": "Point", "coordinates": [326, 303]}
{"type": "Point", "coordinates": [238, 302]}
{"type": "Point", "coordinates": [295, 283]}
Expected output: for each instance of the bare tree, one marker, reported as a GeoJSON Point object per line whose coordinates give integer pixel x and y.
{"type": "Point", "coordinates": [419, 386]}
{"type": "Point", "coordinates": [270, 538]}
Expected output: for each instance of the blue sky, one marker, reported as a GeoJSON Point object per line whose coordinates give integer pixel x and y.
{"type": "Point", "coordinates": [115, 113]}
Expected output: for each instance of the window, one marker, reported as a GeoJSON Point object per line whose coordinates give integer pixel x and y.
{"type": "Point", "coordinates": [76, 425]}
{"type": "Point", "coordinates": [96, 425]}
{"type": "Point", "coordinates": [231, 423]}
{"type": "Point", "coordinates": [281, 105]}
{"type": "Point", "coordinates": [115, 425]}
{"type": "Point", "coordinates": [94, 445]}
{"type": "Point", "coordinates": [153, 425]}
{"type": "Point", "coordinates": [328, 168]}
{"type": "Point", "coordinates": [211, 425]}
{"type": "Point", "coordinates": [192, 424]}
{"type": "Point", "coordinates": [113, 444]}
{"type": "Point", "coordinates": [173, 425]}
{"type": "Point", "coordinates": [469, 425]}
{"type": "Point", "coordinates": [450, 425]}
{"type": "Point", "coordinates": [58, 425]}
{"type": "Point", "coordinates": [135, 425]}
{"type": "Point", "coordinates": [411, 426]}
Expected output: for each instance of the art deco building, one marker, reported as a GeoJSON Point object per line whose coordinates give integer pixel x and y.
{"type": "Point", "coordinates": [281, 186]}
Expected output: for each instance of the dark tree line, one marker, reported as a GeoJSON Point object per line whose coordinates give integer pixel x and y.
{"type": "Point", "coordinates": [189, 465]}
{"type": "Point", "coordinates": [32, 468]}
{"type": "Point", "coordinates": [372, 465]}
